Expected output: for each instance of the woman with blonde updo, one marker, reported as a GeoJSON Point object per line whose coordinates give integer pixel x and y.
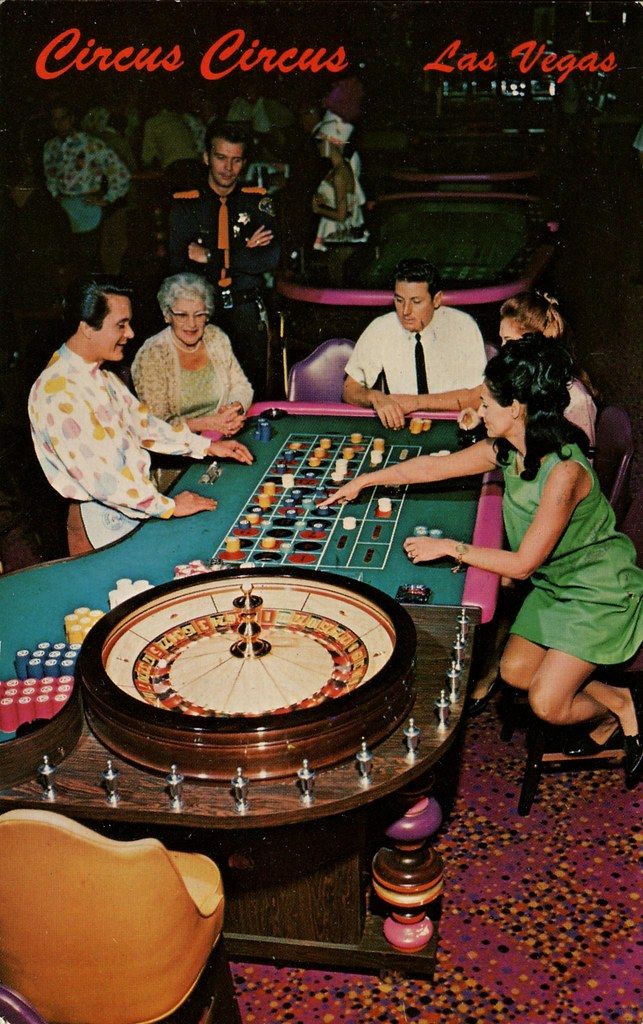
{"type": "Point", "coordinates": [532, 313]}
{"type": "Point", "coordinates": [522, 318]}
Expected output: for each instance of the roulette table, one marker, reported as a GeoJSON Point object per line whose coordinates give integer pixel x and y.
{"type": "Point", "coordinates": [36, 599]}
{"type": "Point", "coordinates": [486, 159]}
{"type": "Point", "coordinates": [358, 638]}
{"type": "Point", "coordinates": [488, 246]}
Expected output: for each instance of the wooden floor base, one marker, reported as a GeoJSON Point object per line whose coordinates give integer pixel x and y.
{"type": "Point", "coordinates": [372, 955]}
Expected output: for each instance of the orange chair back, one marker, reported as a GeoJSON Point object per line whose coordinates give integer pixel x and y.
{"type": "Point", "coordinates": [95, 931]}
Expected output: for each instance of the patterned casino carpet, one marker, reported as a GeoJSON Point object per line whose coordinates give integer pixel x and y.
{"type": "Point", "coordinates": [541, 921]}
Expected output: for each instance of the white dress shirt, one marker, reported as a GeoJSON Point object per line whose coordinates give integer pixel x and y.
{"type": "Point", "coordinates": [454, 353]}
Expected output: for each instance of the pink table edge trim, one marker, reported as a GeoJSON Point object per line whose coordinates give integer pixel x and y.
{"type": "Point", "coordinates": [465, 176]}
{"type": "Point", "coordinates": [456, 297]}
{"type": "Point", "coordinates": [516, 197]}
{"type": "Point", "coordinates": [481, 586]}
{"type": "Point", "coordinates": [334, 409]}
{"type": "Point", "coordinates": [324, 409]}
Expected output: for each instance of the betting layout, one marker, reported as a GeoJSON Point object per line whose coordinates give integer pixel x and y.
{"type": "Point", "coordinates": [283, 525]}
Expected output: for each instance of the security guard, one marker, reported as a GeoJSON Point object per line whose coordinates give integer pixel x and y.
{"type": "Point", "coordinates": [226, 233]}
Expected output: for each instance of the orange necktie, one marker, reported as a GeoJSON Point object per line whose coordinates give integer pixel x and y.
{"type": "Point", "coordinates": [223, 242]}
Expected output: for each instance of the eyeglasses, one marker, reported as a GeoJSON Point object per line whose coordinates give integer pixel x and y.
{"type": "Point", "coordinates": [184, 317]}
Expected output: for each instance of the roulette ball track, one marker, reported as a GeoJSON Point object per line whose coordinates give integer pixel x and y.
{"type": "Point", "coordinates": [258, 668]}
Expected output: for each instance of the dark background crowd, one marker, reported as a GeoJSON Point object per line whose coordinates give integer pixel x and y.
{"type": "Point", "coordinates": [154, 123]}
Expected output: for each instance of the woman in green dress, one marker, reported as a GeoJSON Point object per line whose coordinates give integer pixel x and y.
{"type": "Point", "coordinates": [584, 607]}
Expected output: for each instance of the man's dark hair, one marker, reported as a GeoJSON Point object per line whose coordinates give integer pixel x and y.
{"type": "Point", "coordinates": [229, 131]}
{"type": "Point", "coordinates": [416, 268]}
{"type": "Point", "coordinates": [86, 299]}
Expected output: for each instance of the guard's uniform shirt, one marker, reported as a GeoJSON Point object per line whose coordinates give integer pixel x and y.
{"type": "Point", "coordinates": [240, 310]}
{"type": "Point", "coordinates": [194, 217]}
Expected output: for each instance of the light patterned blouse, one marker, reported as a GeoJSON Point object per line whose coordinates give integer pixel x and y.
{"type": "Point", "coordinates": [156, 373]}
{"type": "Point", "coordinates": [77, 166]}
{"type": "Point", "coordinates": [92, 437]}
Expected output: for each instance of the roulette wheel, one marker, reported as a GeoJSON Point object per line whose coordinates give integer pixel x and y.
{"type": "Point", "coordinates": [257, 668]}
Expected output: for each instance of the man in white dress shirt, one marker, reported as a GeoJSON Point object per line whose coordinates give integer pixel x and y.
{"type": "Point", "coordinates": [422, 348]}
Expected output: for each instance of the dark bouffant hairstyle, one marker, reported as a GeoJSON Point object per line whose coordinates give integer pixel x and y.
{"type": "Point", "coordinates": [536, 372]}
{"type": "Point", "coordinates": [86, 299]}
{"type": "Point", "coordinates": [416, 268]}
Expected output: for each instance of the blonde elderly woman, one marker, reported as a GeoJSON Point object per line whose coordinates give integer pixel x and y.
{"type": "Point", "coordinates": [188, 373]}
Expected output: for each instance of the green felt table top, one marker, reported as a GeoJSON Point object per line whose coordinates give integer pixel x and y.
{"type": "Point", "coordinates": [35, 601]}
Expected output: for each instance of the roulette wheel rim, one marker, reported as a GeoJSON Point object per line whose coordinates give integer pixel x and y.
{"type": "Point", "coordinates": [265, 745]}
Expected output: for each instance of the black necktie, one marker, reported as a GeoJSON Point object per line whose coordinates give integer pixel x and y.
{"type": "Point", "coordinates": [420, 367]}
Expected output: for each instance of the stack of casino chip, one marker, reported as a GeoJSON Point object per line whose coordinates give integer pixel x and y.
{"type": "Point", "coordinates": [24, 700]}
{"type": "Point", "coordinates": [79, 622]}
{"type": "Point", "coordinates": [46, 661]}
{"type": "Point", "coordinates": [126, 588]}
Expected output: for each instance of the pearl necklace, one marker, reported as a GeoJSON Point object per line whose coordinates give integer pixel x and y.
{"type": "Point", "coordinates": [183, 346]}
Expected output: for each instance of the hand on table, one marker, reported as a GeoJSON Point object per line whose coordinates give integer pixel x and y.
{"type": "Point", "coordinates": [231, 450]}
{"type": "Point", "coordinates": [262, 236]}
{"type": "Point", "coordinates": [187, 503]}
{"type": "Point", "coordinates": [389, 410]}
{"type": "Point", "coordinates": [426, 549]}
{"type": "Point", "coordinates": [349, 492]}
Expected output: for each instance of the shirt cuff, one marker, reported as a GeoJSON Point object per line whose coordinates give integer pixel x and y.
{"type": "Point", "coordinates": [169, 511]}
{"type": "Point", "coordinates": [200, 446]}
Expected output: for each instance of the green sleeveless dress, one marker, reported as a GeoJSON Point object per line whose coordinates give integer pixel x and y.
{"type": "Point", "coordinates": [586, 599]}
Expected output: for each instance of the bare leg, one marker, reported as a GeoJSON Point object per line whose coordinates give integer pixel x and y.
{"type": "Point", "coordinates": [555, 683]}
{"type": "Point", "coordinates": [520, 661]}
{"type": "Point", "coordinates": [556, 693]}
{"type": "Point", "coordinates": [619, 701]}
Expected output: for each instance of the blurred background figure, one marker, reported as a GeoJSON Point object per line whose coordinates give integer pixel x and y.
{"type": "Point", "coordinates": [339, 198]}
{"type": "Point", "coordinates": [170, 143]}
{"type": "Point", "coordinates": [109, 127]}
{"type": "Point", "coordinates": [345, 99]}
{"type": "Point", "coordinates": [266, 119]}
{"type": "Point", "coordinates": [87, 179]}
{"type": "Point", "coordinates": [200, 113]}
